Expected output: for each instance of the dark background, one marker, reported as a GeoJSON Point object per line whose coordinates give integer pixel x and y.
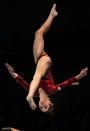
{"type": "Point", "coordinates": [67, 43]}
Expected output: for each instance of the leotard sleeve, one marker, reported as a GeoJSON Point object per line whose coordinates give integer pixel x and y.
{"type": "Point", "coordinates": [67, 82]}
{"type": "Point", "coordinates": [22, 82]}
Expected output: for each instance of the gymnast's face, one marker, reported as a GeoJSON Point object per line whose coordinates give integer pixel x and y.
{"type": "Point", "coordinates": [44, 105]}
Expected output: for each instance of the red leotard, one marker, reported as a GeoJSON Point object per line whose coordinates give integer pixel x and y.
{"type": "Point", "coordinates": [47, 83]}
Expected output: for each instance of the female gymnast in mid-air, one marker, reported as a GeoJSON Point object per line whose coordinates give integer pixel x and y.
{"type": "Point", "coordinates": [42, 85]}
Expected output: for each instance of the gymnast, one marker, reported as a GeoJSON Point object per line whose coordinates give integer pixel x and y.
{"type": "Point", "coordinates": [42, 84]}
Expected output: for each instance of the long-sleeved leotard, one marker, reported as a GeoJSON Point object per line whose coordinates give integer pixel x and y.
{"type": "Point", "coordinates": [46, 83]}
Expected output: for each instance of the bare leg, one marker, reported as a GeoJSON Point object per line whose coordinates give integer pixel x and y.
{"type": "Point", "coordinates": [44, 63]}
{"type": "Point", "coordinates": [38, 46]}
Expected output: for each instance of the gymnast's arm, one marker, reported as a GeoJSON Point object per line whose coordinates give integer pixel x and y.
{"type": "Point", "coordinates": [18, 78]}
{"type": "Point", "coordinates": [70, 81]}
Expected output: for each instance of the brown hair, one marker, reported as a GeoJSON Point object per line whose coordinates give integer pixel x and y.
{"type": "Point", "coordinates": [51, 108]}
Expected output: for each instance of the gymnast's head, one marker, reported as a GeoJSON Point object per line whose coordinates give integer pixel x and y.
{"type": "Point", "coordinates": [46, 105]}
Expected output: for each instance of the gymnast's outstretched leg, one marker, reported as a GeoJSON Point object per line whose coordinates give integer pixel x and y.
{"type": "Point", "coordinates": [38, 49]}
{"type": "Point", "coordinates": [38, 46]}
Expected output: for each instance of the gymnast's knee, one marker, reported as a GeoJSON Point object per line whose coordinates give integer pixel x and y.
{"type": "Point", "coordinates": [38, 32]}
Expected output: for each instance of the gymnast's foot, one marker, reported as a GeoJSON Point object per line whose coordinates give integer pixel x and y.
{"type": "Point", "coordinates": [11, 70]}
{"type": "Point", "coordinates": [31, 102]}
{"type": "Point", "coordinates": [53, 11]}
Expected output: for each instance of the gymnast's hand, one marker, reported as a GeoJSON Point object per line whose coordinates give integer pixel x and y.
{"type": "Point", "coordinates": [11, 70]}
{"type": "Point", "coordinates": [82, 73]}
{"type": "Point", "coordinates": [31, 102]}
